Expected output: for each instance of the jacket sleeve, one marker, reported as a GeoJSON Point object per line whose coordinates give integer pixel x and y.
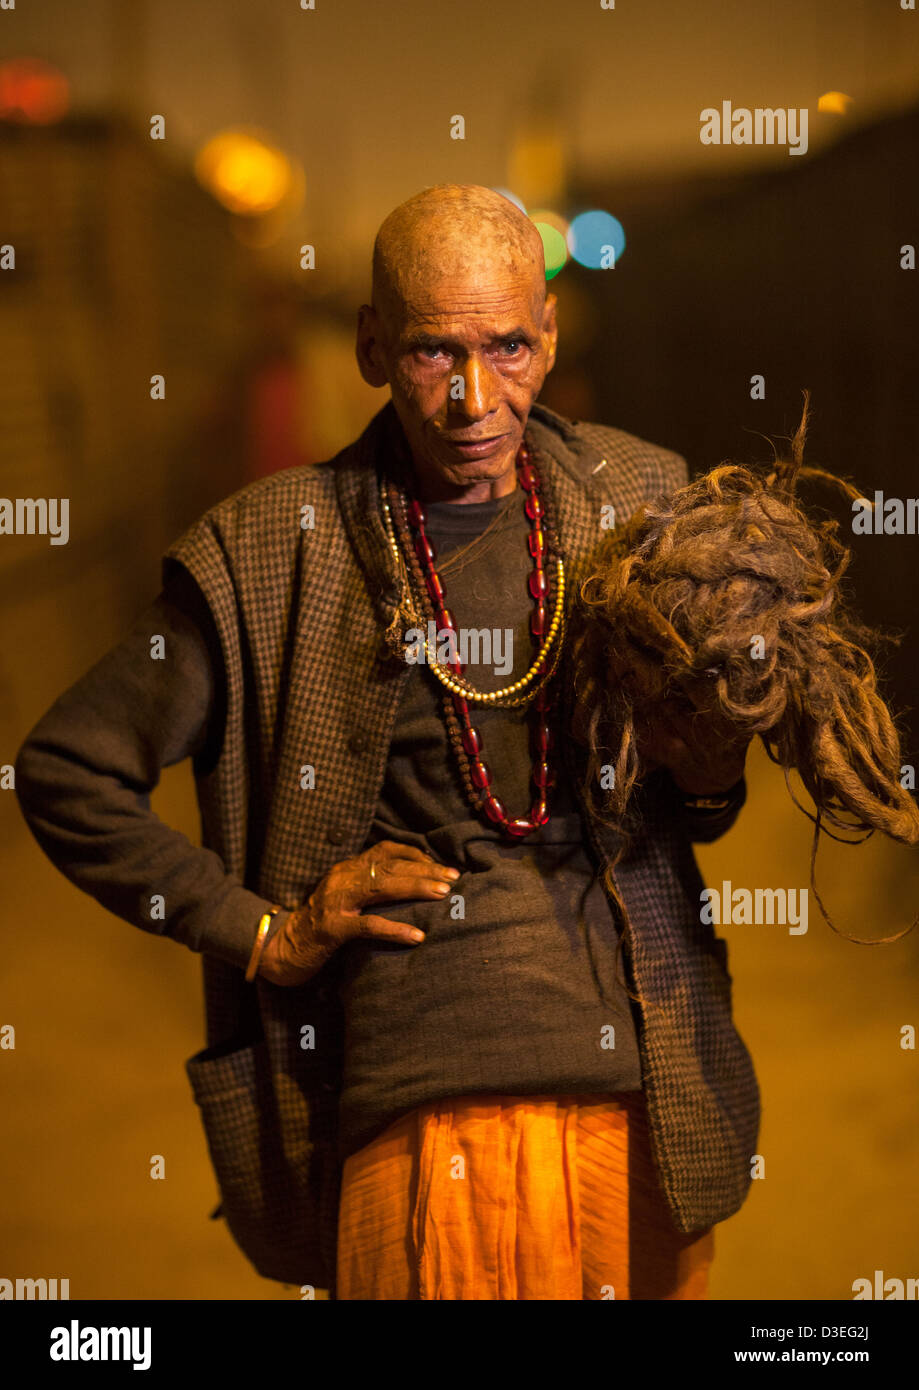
{"type": "Point", "coordinates": [85, 772]}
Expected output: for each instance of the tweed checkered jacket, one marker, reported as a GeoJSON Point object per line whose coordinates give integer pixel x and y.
{"type": "Point", "coordinates": [301, 611]}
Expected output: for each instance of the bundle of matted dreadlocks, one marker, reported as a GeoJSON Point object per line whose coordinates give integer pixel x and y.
{"type": "Point", "coordinates": [726, 596]}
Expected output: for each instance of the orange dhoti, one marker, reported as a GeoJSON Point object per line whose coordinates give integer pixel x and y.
{"type": "Point", "coordinates": [514, 1197]}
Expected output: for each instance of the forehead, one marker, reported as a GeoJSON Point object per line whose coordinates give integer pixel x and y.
{"type": "Point", "coordinates": [470, 307]}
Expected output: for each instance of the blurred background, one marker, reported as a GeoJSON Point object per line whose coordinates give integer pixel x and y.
{"type": "Point", "coordinates": [286, 128]}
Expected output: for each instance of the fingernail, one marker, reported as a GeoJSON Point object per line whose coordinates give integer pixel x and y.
{"type": "Point", "coordinates": [451, 873]}
{"type": "Point", "coordinates": [441, 887]}
{"type": "Point", "coordinates": [417, 935]}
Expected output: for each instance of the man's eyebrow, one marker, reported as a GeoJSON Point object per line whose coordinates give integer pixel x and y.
{"type": "Point", "coordinates": [415, 340]}
{"type": "Point", "coordinates": [518, 332]}
{"type": "Point", "coordinates": [420, 339]}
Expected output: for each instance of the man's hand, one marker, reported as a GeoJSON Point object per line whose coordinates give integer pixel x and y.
{"type": "Point", "coordinates": [700, 748]}
{"type": "Point", "coordinates": [387, 872]}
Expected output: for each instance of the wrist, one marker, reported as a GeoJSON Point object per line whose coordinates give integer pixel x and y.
{"type": "Point", "coordinates": [261, 941]}
{"type": "Point", "coordinates": [276, 967]}
{"type": "Point", "coordinates": [295, 954]}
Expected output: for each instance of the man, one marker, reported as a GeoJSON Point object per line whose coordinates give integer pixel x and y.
{"type": "Point", "coordinates": [428, 1075]}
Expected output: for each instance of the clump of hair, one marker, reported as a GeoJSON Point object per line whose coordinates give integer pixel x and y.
{"type": "Point", "coordinates": [674, 603]}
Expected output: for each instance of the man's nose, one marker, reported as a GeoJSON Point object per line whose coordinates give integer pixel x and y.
{"type": "Point", "coordinates": [479, 389]}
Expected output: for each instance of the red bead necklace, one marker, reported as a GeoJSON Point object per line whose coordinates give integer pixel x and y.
{"type": "Point", "coordinates": [541, 738]}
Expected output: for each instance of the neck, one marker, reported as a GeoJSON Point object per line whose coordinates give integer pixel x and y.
{"type": "Point", "coordinates": [486, 490]}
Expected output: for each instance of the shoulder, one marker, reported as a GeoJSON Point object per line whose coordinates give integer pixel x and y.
{"type": "Point", "coordinates": [629, 458]}
{"type": "Point", "coordinates": [272, 515]}
{"type": "Point", "coordinates": [269, 501]}
{"type": "Point", "coordinates": [244, 554]}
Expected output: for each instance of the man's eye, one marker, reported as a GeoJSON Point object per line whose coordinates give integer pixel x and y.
{"type": "Point", "coordinates": [429, 351]}
{"type": "Point", "coordinates": [514, 345]}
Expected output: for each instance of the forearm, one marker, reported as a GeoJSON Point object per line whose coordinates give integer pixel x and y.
{"type": "Point", "coordinates": [109, 844]}
{"type": "Point", "coordinates": [84, 777]}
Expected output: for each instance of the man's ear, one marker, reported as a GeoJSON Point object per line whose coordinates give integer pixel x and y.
{"type": "Point", "coordinates": [550, 330]}
{"type": "Point", "coordinates": [367, 347]}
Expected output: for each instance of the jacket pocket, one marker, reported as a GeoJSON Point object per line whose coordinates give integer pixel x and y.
{"type": "Point", "coordinates": [267, 1168]}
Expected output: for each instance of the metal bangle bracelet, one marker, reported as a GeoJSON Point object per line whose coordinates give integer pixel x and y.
{"type": "Point", "coordinates": [260, 938]}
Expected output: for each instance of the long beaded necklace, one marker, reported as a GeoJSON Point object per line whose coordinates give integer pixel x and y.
{"type": "Point", "coordinates": [536, 685]}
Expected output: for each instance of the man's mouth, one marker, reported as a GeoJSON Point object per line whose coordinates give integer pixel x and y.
{"type": "Point", "coordinates": [476, 448]}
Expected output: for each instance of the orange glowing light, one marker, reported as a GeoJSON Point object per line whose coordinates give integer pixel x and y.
{"type": "Point", "coordinates": [551, 219]}
{"type": "Point", "coordinates": [244, 173]}
{"type": "Point", "coordinates": [537, 165]}
{"type": "Point", "coordinates": [836, 102]}
{"type": "Point", "coordinates": [32, 92]}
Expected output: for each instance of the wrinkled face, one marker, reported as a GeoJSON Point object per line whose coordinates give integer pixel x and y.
{"type": "Point", "coordinates": [465, 354]}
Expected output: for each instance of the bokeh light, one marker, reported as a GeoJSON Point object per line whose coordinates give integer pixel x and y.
{"type": "Point", "coordinates": [244, 173]}
{"type": "Point", "coordinates": [555, 249]}
{"type": "Point", "coordinates": [589, 236]}
{"type": "Point", "coordinates": [537, 164]}
{"type": "Point", "coordinates": [512, 197]}
{"type": "Point", "coordinates": [551, 219]}
{"type": "Point", "coordinates": [835, 102]}
{"type": "Point", "coordinates": [553, 229]}
{"type": "Point", "coordinates": [32, 92]}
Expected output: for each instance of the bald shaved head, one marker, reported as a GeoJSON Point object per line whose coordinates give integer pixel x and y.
{"type": "Point", "coordinates": [462, 331]}
{"type": "Point", "coordinates": [457, 229]}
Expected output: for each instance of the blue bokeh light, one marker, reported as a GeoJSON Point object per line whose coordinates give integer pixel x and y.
{"type": "Point", "coordinates": [590, 232]}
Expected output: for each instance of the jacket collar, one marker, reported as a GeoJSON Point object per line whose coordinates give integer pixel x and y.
{"type": "Point", "coordinates": [358, 470]}
{"type": "Point", "coordinates": [565, 461]}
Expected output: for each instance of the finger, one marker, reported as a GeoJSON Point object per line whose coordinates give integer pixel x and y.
{"type": "Point", "coordinates": [387, 880]}
{"type": "Point", "coordinates": [369, 926]}
{"type": "Point", "coordinates": [408, 885]}
{"type": "Point", "coordinates": [407, 868]}
{"type": "Point", "coordinates": [405, 858]}
{"type": "Point", "coordinates": [393, 850]}
{"type": "Point", "coordinates": [383, 870]}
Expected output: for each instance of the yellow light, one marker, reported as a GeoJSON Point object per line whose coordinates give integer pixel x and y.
{"type": "Point", "coordinates": [836, 102]}
{"type": "Point", "coordinates": [243, 172]}
{"type": "Point", "coordinates": [551, 219]}
{"type": "Point", "coordinates": [537, 165]}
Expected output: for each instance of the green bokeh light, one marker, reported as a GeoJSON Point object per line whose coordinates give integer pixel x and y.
{"type": "Point", "coordinates": [554, 246]}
